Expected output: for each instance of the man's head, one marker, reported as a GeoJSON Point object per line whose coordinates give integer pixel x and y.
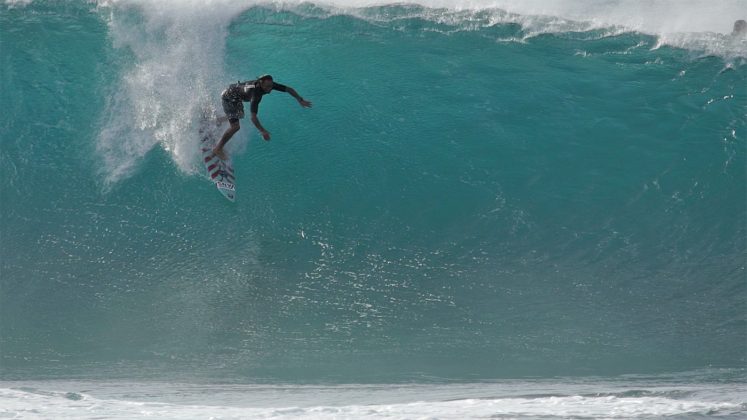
{"type": "Point", "coordinates": [265, 82]}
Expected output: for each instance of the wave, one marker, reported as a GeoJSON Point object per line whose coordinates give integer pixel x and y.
{"type": "Point", "coordinates": [470, 197]}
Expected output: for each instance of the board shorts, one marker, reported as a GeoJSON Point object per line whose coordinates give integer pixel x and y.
{"type": "Point", "coordinates": [234, 109]}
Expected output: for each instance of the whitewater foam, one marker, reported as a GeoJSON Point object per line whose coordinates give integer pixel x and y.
{"type": "Point", "coordinates": [398, 401]}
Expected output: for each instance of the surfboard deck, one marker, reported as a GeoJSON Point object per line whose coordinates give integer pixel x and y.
{"type": "Point", "coordinates": [219, 171]}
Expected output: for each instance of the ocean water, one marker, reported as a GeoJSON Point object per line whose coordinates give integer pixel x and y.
{"type": "Point", "coordinates": [494, 209]}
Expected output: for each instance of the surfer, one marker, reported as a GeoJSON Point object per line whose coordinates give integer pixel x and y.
{"type": "Point", "coordinates": [251, 91]}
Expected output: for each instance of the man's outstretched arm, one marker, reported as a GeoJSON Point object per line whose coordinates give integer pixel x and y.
{"type": "Point", "coordinates": [304, 103]}
{"type": "Point", "coordinates": [255, 121]}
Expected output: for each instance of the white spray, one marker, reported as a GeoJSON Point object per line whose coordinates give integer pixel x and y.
{"type": "Point", "coordinates": [179, 49]}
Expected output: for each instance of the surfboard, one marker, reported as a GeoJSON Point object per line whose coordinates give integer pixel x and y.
{"type": "Point", "coordinates": [219, 171]}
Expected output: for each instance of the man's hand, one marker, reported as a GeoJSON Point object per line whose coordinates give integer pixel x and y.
{"type": "Point", "coordinates": [304, 103]}
{"type": "Point", "coordinates": [265, 135]}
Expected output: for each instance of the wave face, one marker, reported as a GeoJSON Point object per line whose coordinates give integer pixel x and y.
{"type": "Point", "coordinates": [477, 193]}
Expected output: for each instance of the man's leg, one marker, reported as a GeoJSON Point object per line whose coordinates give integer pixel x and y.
{"type": "Point", "coordinates": [230, 131]}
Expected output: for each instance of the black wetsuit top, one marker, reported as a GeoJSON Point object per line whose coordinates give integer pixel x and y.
{"type": "Point", "coordinates": [249, 92]}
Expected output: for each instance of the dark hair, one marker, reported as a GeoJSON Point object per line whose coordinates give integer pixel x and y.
{"type": "Point", "coordinates": [264, 77]}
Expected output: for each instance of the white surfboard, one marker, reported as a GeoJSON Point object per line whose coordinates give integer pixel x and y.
{"type": "Point", "coordinates": [219, 171]}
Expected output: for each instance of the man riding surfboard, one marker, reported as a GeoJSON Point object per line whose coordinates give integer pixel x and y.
{"type": "Point", "coordinates": [252, 91]}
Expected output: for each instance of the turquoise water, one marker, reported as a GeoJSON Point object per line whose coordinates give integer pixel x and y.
{"type": "Point", "coordinates": [477, 194]}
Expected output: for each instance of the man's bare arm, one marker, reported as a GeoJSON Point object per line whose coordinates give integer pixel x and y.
{"type": "Point", "coordinates": [304, 103]}
{"type": "Point", "coordinates": [255, 121]}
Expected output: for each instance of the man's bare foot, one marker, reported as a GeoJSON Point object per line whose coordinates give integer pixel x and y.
{"type": "Point", "coordinates": [220, 153]}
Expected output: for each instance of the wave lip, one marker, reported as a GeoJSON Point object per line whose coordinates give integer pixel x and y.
{"type": "Point", "coordinates": [700, 26]}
